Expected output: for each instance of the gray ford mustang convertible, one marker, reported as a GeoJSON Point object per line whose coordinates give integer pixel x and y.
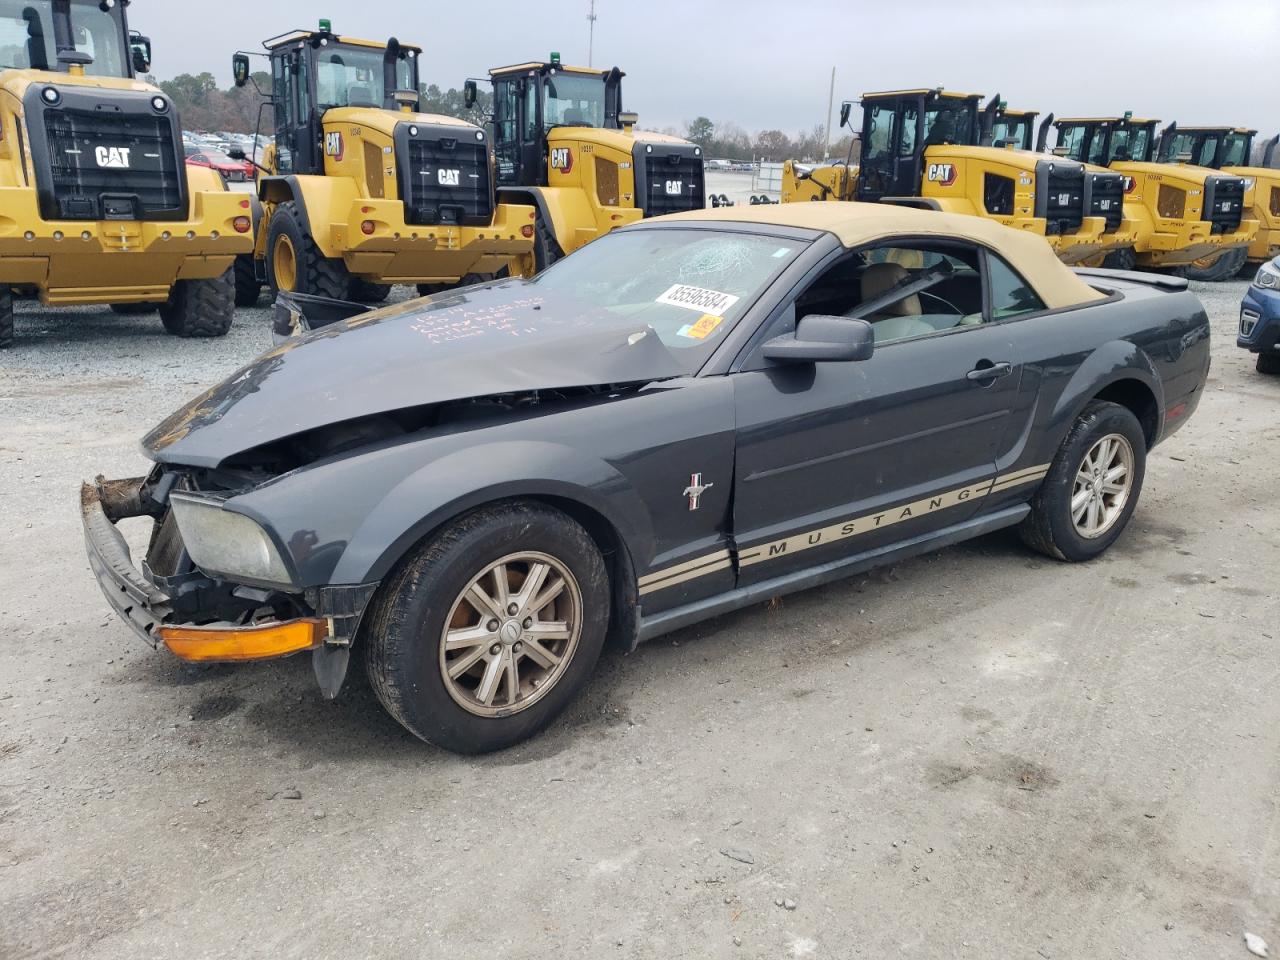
{"type": "Point", "coordinates": [685, 417]}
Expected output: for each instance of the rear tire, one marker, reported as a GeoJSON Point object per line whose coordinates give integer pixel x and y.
{"type": "Point", "coordinates": [200, 308]}
{"type": "Point", "coordinates": [362, 291]}
{"type": "Point", "coordinates": [546, 250]}
{"type": "Point", "coordinates": [1225, 267]}
{"type": "Point", "coordinates": [1054, 527]}
{"type": "Point", "coordinates": [6, 317]}
{"type": "Point", "coordinates": [301, 266]}
{"type": "Point", "coordinates": [1266, 363]}
{"type": "Point", "coordinates": [1123, 259]}
{"type": "Point", "coordinates": [248, 286]}
{"type": "Point", "coordinates": [415, 675]}
{"type": "Point", "coordinates": [134, 309]}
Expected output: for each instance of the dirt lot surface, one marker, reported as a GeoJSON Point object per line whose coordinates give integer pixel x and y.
{"type": "Point", "coordinates": [981, 753]}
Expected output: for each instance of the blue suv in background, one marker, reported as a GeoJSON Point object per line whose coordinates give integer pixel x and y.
{"type": "Point", "coordinates": [1260, 318]}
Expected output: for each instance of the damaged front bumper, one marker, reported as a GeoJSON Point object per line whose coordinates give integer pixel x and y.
{"type": "Point", "coordinates": [202, 619]}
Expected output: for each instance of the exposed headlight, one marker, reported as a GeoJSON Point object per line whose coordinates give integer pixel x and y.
{"type": "Point", "coordinates": [226, 543]}
{"type": "Point", "coordinates": [1268, 276]}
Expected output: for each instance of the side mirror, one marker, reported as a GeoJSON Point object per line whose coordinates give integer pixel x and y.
{"type": "Point", "coordinates": [822, 338]}
{"type": "Point", "coordinates": [240, 68]}
{"type": "Point", "coordinates": [469, 94]}
{"type": "Point", "coordinates": [235, 153]}
{"type": "Point", "coordinates": [801, 171]}
{"type": "Point", "coordinates": [140, 47]}
{"type": "Point", "coordinates": [845, 109]}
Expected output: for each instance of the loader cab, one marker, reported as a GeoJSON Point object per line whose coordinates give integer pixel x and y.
{"type": "Point", "coordinates": [1106, 141]}
{"type": "Point", "coordinates": [531, 99]}
{"type": "Point", "coordinates": [898, 128]}
{"type": "Point", "coordinates": [69, 36]}
{"type": "Point", "coordinates": [1012, 128]}
{"type": "Point", "coordinates": [313, 72]}
{"type": "Point", "coordinates": [1214, 147]}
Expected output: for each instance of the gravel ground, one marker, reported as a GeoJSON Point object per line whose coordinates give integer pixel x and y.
{"type": "Point", "coordinates": [980, 753]}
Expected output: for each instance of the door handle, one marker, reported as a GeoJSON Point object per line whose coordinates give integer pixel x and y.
{"type": "Point", "coordinates": [991, 371]}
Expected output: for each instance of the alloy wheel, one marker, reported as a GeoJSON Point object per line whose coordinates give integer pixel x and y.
{"type": "Point", "coordinates": [1102, 485]}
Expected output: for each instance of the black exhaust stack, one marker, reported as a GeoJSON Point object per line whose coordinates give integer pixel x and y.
{"type": "Point", "coordinates": [1042, 138]}
{"type": "Point", "coordinates": [63, 38]}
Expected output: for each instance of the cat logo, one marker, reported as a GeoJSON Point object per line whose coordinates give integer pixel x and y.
{"type": "Point", "coordinates": [675, 188]}
{"type": "Point", "coordinates": [943, 174]}
{"type": "Point", "coordinates": [333, 144]}
{"type": "Point", "coordinates": [116, 158]}
{"type": "Point", "coordinates": [448, 178]}
{"type": "Point", "coordinates": [562, 159]}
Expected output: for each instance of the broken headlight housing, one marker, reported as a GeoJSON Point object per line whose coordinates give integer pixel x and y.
{"type": "Point", "coordinates": [227, 544]}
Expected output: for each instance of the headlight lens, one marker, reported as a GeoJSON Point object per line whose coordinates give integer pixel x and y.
{"type": "Point", "coordinates": [231, 544]}
{"type": "Point", "coordinates": [1268, 276]}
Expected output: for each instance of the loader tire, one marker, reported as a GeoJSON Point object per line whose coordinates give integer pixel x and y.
{"type": "Point", "coordinates": [546, 250]}
{"type": "Point", "coordinates": [6, 317]}
{"type": "Point", "coordinates": [1122, 259]}
{"type": "Point", "coordinates": [1224, 267]}
{"type": "Point", "coordinates": [200, 308]}
{"type": "Point", "coordinates": [362, 291]}
{"type": "Point", "coordinates": [296, 265]}
{"type": "Point", "coordinates": [134, 309]}
{"type": "Point", "coordinates": [248, 286]}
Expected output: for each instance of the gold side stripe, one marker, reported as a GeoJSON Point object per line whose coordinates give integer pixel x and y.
{"type": "Point", "coordinates": [712, 563]}
{"type": "Point", "coordinates": [723, 564]}
{"type": "Point", "coordinates": [682, 567]}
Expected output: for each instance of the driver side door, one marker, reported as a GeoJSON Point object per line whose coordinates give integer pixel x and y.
{"type": "Point", "coordinates": [837, 459]}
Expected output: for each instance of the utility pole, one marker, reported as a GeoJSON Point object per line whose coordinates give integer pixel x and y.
{"type": "Point", "coordinates": [831, 102]}
{"type": "Point", "coordinates": [591, 32]}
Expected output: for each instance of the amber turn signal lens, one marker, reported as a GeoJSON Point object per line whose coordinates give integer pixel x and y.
{"type": "Point", "coordinates": [368, 227]}
{"type": "Point", "coordinates": [527, 231]}
{"type": "Point", "coordinates": [210, 644]}
{"type": "Point", "coordinates": [242, 224]}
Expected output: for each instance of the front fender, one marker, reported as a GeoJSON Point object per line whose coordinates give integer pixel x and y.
{"type": "Point", "coordinates": [468, 478]}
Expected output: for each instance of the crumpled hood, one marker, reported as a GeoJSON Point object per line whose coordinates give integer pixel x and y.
{"type": "Point", "coordinates": [503, 337]}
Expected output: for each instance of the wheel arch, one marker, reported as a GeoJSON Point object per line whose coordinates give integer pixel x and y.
{"type": "Point", "coordinates": [562, 209]}
{"type": "Point", "coordinates": [1117, 372]}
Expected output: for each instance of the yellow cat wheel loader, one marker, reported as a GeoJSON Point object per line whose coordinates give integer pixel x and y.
{"type": "Point", "coordinates": [1185, 214]}
{"type": "Point", "coordinates": [97, 204]}
{"type": "Point", "coordinates": [359, 191]}
{"type": "Point", "coordinates": [564, 145]}
{"type": "Point", "coordinates": [933, 149]}
{"type": "Point", "coordinates": [1230, 149]}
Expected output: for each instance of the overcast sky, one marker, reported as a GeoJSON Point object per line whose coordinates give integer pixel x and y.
{"type": "Point", "coordinates": [767, 63]}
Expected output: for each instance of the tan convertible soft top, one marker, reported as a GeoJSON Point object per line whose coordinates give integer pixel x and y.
{"type": "Point", "coordinates": [858, 224]}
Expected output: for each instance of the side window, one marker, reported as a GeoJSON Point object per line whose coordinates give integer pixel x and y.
{"type": "Point", "coordinates": [1011, 296]}
{"type": "Point", "coordinates": [903, 290]}
{"type": "Point", "coordinates": [907, 139]}
{"type": "Point", "coordinates": [531, 129]}
{"type": "Point", "coordinates": [880, 125]}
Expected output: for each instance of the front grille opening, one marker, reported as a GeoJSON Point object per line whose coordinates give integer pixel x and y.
{"type": "Point", "coordinates": [1275, 202]}
{"type": "Point", "coordinates": [447, 183]}
{"type": "Point", "coordinates": [997, 194]}
{"type": "Point", "coordinates": [109, 165]}
{"type": "Point", "coordinates": [607, 182]}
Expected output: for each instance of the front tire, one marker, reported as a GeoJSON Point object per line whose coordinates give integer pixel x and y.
{"type": "Point", "coordinates": [296, 265]}
{"type": "Point", "coordinates": [1092, 487]}
{"type": "Point", "coordinates": [546, 250]}
{"type": "Point", "coordinates": [1122, 259]}
{"type": "Point", "coordinates": [1268, 362]}
{"type": "Point", "coordinates": [485, 635]}
{"type": "Point", "coordinates": [363, 291]}
{"type": "Point", "coordinates": [200, 308]}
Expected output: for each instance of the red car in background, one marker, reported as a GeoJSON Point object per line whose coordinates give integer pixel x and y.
{"type": "Point", "coordinates": [234, 171]}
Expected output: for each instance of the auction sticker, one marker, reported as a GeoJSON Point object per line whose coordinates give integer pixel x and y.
{"type": "Point", "coordinates": [705, 326]}
{"type": "Point", "coordinates": [710, 302]}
